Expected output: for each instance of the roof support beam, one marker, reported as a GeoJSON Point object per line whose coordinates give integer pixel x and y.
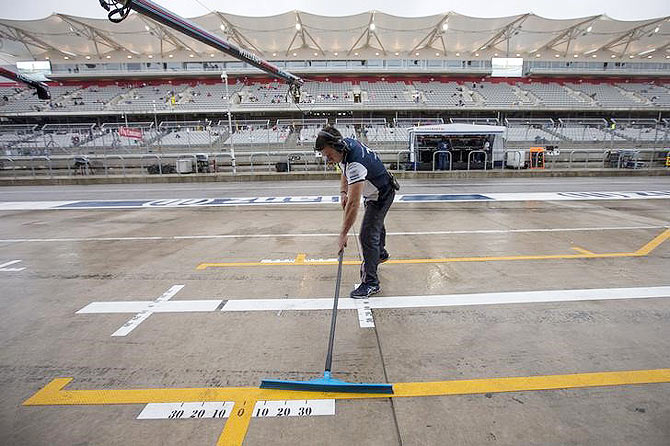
{"type": "Point", "coordinates": [237, 36]}
{"type": "Point", "coordinates": [96, 35]}
{"type": "Point", "coordinates": [27, 38]}
{"type": "Point", "coordinates": [505, 34]}
{"type": "Point", "coordinates": [438, 32]}
{"type": "Point", "coordinates": [302, 32]}
{"type": "Point", "coordinates": [630, 36]}
{"type": "Point", "coordinates": [368, 34]}
{"type": "Point", "coordinates": [8, 34]}
{"type": "Point", "coordinates": [567, 35]}
{"type": "Point", "coordinates": [164, 33]}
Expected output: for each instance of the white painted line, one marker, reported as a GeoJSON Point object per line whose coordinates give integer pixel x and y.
{"type": "Point", "coordinates": [144, 314]}
{"type": "Point", "coordinates": [186, 411]}
{"type": "Point", "coordinates": [171, 306]}
{"type": "Point", "coordinates": [31, 205]}
{"type": "Point", "coordinates": [448, 300]}
{"type": "Point", "coordinates": [320, 185]}
{"type": "Point", "coordinates": [309, 235]}
{"type": "Point", "coordinates": [4, 268]}
{"type": "Point", "coordinates": [443, 300]}
{"type": "Point", "coordinates": [329, 200]}
{"type": "Point", "coordinates": [222, 409]}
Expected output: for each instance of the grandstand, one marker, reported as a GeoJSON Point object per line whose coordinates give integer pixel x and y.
{"type": "Point", "coordinates": [375, 134]}
{"type": "Point", "coordinates": [149, 97]}
{"type": "Point", "coordinates": [271, 94]}
{"type": "Point", "coordinates": [91, 98]}
{"type": "Point", "coordinates": [339, 93]}
{"type": "Point", "coordinates": [537, 131]}
{"type": "Point", "coordinates": [499, 94]}
{"type": "Point", "coordinates": [445, 94]}
{"type": "Point", "coordinates": [586, 130]}
{"type": "Point", "coordinates": [658, 95]}
{"type": "Point", "coordinates": [308, 135]}
{"type": "Point", "coordinates": [553, 95]}
{"type": "Point", "coordinates": [207, 96]}
{"type": "Point", "coordinates": [108, 138]}
{"type": "Point", "coordinates": [642, 130]}
{"type": "Point", "coordinates": [255, 132]}
{"type": "Point", "coordinates": [455, 94]}
{"type": "Point", "coordinates": [174, 93]}
{"type": "Point", "coordinates": [387, 94]}
{"type": "Point", "coordinates": [606, 95]}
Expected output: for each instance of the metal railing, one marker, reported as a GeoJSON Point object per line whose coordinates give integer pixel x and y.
{"type": "Point", "coordinates": [251, 159]}
{"type": "Point", "coordinates": [472, 152]}
{"type": "Point", "coordinates": [37, 158]}
{"type": "Point", "coordinates": [290, 157]}
{"type": "Point", "coordinates": [445, 152]}
{"type": "Point", "coordinates": [223, 156]}
{"type": "Point", "coordinates": [152, 155]}
{"type": "Point", "coordinates": [155, 163]}
{"type": "Point", "coordinates": [106, 164]}
{"type": "Point", "coordinates": [400, 152]}
{"type": "Point", "coordinates": [521, 157]}
{"type": "Point", "coordinates": [11, 160]}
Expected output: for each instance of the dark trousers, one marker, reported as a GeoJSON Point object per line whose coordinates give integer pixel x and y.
{"type": "Point", "coordinates": [373, 237]}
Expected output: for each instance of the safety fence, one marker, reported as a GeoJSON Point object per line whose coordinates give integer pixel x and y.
{"type": "Point", "coordinates": [306, 161]}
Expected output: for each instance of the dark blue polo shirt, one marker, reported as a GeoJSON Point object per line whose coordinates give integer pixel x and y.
{"type": "Point", "coordinates": [362, 164]}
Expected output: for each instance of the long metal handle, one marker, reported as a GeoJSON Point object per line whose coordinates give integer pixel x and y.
{"type": "Point", "coordinates": [189, 28]}
{"type": "Point", "coordinates": [329, 356]}
{"type": "Point", "coordinates": [41, 87]}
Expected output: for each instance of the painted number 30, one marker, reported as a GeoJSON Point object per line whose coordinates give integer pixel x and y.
{"type": "Point", "coordinates": [283, 411]}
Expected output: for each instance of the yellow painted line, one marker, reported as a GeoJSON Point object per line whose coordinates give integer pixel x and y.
{"type": "Point", "coordinates": [521, 384]}
{"type": "Point", "coordinates": [245, 397]}
{"type": "Point", "coordinates": [583, 251]}
{"type": "Point", "coordinates": [433, 260]}
{"type": "Point", "coordinates": [583, 254]}
{"type": "Point", "coordinates": [237, 425]}
{"type": "Point", "coordinates": [53, 393]}
{"type": "Point", "coordinates": [649, 247]}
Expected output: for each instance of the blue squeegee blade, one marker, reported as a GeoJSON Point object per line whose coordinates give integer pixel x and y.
{"type": "Point", "coordinates": [326, 385]}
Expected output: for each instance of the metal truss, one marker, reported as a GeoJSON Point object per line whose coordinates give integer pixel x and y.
{"type": "Point", "coordinates": [368, 34]}
{"type": "Point", "coordinates": [304, 35]}
{"type": "Point", "coordinates": [438, 33]}
{"type": "Point", "coordinates": [504, 35]}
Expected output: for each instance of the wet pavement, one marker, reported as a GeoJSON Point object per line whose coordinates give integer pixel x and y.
{"type": "Point", "coordinates": [205, 299]}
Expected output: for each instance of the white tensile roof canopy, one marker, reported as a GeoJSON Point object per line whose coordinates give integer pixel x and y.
{"type": "Point", "coordinates": [299, 35]}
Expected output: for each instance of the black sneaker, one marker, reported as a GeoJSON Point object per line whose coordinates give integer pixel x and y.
{"type": "Point", "coordinates": [384, 257]}
{"type": "Point", "coordinates": [364, 291]}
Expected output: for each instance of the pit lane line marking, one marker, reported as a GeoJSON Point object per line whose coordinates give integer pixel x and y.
{"type": "Point", "coordinates": [583, 254]}
{"type": "Point", "coordinates": [329, 200]}
{"type": "Point", "coordinates": [315, 185]}
{"type": "Point", "coordinates": [4, 266]}
{"type": "Point", "coordinates": [245, 398]}
{"type": "Point", "coordinates": [321, 234]}
{"type": "Point", "coordinates": [146, 312]}
{"type": "Point", "coordinates": [222, 409]}
{"type": "Point", "coordinates": [365, 316]}
{"type": "Point", "coordinates": [388, 302]}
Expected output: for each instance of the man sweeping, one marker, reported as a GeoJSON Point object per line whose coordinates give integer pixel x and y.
{"type": "Point", "coordinates": [363, 175]}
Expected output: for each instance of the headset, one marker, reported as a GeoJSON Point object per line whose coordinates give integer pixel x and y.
{"type": "Point", "coordinates": [337, 143]}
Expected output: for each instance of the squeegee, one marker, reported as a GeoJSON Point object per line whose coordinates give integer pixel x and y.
{"type": "Point", "coordinates": [327, 383]}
